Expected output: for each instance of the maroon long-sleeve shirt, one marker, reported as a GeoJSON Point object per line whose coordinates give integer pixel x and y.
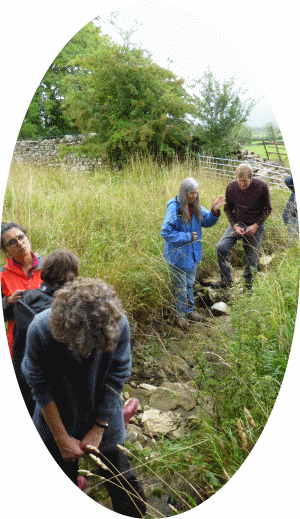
{"type": "Point", "coordinates": [248, 206]}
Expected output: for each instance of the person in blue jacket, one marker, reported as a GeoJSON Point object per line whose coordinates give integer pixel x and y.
{"type": "Point", "coordinates": [290, 213]}
{"type": "Point", "coordinates": [77, 360]}
{"type": "Point", "coordinates": [182, 232]}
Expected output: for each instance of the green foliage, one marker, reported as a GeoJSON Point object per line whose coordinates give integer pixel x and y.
{"type": "Point", "coordinates": [112, 221]}
{"type": "Point", "coordinates": [221, 113]}
{"type": "Point", "coordinates": [45, 117]}
{"type": "Point", "coordinates": [270, 131]}
{"type": "Point", "coordinates": [244, 135]}
{"type": "Point", "coordinates": [133, 105]}
{"type": "Point", "coordinates": [254, 353]}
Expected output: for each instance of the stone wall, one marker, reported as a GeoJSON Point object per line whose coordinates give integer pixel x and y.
{"type": "Point", "coordinates": [46, 153]}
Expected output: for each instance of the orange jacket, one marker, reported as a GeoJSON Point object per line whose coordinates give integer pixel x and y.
{"type": "Point", "coordinates": [13, 278]}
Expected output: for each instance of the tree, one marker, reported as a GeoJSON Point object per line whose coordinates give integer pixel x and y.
{"type": "Point", "coordinates": [221, 113]}
{"type": "Point", "coordinates": [45, 117]}
{"type": "Point", "coordinates": [244, 134]}
{"type": "Point", "coordinates": [271, 130]}
{"type": "Point", "coordinates": [131, 103]}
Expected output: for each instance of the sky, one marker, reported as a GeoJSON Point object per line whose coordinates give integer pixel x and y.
{"type": "Point", "coordinates": [180, 40]}
{"type": "Point", "coordinates": [264, 41]}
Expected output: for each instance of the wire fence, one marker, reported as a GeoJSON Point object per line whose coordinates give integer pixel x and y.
{"type": "Point", "coordinates": [273, 174]}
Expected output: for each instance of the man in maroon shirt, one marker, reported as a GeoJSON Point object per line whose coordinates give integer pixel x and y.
{"type": "Point", "coordinates": [248, 205]}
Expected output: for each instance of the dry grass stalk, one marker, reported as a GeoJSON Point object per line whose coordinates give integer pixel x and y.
{"type": "Point", "coordinates": [247, 413]}
{"type": "Point", "coordinates": [98, 461]}
{"type": "Point", "coordinates": [243, 436]}
{"type": "Point", "coordinates": [91, 448]}
{"type": "Point", "coordinates": [173, 509]}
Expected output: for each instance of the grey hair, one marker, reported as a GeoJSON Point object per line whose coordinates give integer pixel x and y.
{"type": "Point", "coordinates": [189, 184]}
{"type": "Point", "coordinates": [244, 170]}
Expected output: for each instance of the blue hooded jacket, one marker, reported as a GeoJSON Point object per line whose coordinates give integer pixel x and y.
{"type": "Point", "coordinates": [179, 249]}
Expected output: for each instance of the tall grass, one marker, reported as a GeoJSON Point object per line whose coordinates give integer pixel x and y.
{"type": "Point", "coordinates": [112, 221]}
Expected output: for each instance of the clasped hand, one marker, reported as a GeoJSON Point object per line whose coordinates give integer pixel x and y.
{"type": "Point", "coordinates": [71, 449]}
{"type": "Point", "coordinates": [249, 231]}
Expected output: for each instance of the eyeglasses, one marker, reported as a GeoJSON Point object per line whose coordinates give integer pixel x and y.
{"type": "Point", "coordinates": [14, 241]}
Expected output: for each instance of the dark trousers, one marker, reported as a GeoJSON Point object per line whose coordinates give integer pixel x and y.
{"type": "Point", "coordinates": [18, 354]}
{"type": "Point", "coordinates": [126, 492]}
{"type": "Point", "coordinates": [251, 245]}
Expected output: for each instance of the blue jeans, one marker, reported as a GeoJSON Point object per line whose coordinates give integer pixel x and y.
{"type": "Point", "coordinates": [251, 245]}
{"type": "Point", "coordinates": [183, 290]}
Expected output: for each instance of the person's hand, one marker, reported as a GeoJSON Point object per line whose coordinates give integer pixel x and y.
{"type": "Point", "coordinates": [239, 230]}
{"type": "Point", "coordinates": [93, 437]}
{"type": "Point", "coordinates": [216, 204]}
{"type": "Point", "coordinates": [251, 229]}
{"type": "Point", "coordinates": [14, 297]}
{"type": "Point", "coordinates": [69, 448]}
{"type": "Point", "coordinates": [194, 236]}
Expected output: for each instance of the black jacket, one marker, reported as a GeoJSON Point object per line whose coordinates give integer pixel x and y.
{"type": "Point", "coordinates": [31, 303]}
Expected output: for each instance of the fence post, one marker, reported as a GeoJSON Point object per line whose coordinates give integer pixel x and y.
{"type": "Point", "coordinates": [276, 145]}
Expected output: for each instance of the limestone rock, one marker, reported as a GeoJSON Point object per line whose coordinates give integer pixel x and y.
{"type": "Point", "coordinates": [220, 308]}
{"type": "Point", "coordinates": [156, 423]}
{"type": "Point", "coordinates": [176, 365]}
{"type": "Point", "coordinates": [166, 399]}
{"type": "Point", "coordinates": [148, 387]}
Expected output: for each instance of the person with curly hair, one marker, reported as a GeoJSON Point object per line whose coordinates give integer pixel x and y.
{"type": "Point", "coordinates": [77, 360]}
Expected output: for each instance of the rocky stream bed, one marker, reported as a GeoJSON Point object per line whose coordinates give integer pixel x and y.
{"type": "Point", "coordinates": [164, 383]}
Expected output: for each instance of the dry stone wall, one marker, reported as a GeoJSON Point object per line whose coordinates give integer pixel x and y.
{"type": "Point", "coordinates": [46, 153]}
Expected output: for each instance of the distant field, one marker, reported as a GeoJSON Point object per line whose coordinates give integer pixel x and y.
{"type": "Point", "coordinates": [259, 149]}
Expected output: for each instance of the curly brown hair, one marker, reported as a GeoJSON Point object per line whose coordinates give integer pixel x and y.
{"type": "Point", "coordinates": [86, 314]}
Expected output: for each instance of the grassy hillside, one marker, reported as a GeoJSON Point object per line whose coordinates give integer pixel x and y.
{"type": "Point", "coordinates": [112, 221]}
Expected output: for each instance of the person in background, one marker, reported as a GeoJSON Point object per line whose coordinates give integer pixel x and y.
{"type": "Point", "coordinates": [59, 267]}
{"type": "Point", "coordinates": [248, 205]}
{"type": "Point", "coordinates": [182, 232]}
{"type": "Point", "coordinates": [77, 360]}
{"type": "Point", "coordinates": [22, 270]}
{"type": "Point", "coordinates": [290, 213]}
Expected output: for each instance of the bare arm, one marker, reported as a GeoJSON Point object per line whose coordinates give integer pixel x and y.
{"type": "Point", "coordinates": [69, 447]}
{"type": "Point", "coordinates": [93, 437]}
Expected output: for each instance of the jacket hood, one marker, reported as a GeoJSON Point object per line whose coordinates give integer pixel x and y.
{"type": "Point", "coordinates": [174, 201]}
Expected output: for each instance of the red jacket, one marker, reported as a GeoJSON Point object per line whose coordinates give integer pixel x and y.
{"type": "Point", "coordinates": [13, 278]}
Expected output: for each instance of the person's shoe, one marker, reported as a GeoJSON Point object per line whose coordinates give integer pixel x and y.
{"type": "Point", "coordinates": [195, 317]}
{"type": "Point", "coordinates": [129, 409]}
{"type": "Point", "coordinates": [182, 322]}
{"type": "Point", "coordinates": [248, 288]}
{"type": "Point", "coordinates": [81, 482]}
{"type": "Point", "coordinates": [222, 284]}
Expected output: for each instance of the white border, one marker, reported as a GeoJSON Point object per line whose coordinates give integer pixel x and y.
{"type": "Point", "coordinates": [267, 37]}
